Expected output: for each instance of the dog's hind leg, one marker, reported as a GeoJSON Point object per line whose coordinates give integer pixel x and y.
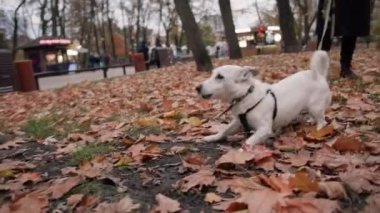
{"type": "Point", "coordinates": [318, 115]}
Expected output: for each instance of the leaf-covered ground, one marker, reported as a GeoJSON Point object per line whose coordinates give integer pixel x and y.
{"type": "Point", "coordinates": [131, 144]}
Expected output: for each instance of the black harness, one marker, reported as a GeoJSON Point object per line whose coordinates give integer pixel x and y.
{"type": "Point", "coordinates": [243, 116]}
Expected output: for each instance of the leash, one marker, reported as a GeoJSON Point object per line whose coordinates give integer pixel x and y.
{"type": "Point", "coordinates": [327, 17]}
{"type": "Point", "coordinates": [235, 101]}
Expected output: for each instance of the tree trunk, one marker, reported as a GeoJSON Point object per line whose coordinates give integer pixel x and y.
{"type": "Point", "coordinates": [137, 37]}
{"type": "Point", "coordinates": [62, 19]}
{"type": "Point", "coordinates": [93, 16]}
{"type": "Point", "coordinates": [54, 17]}
{"type": "Point", "coordinates": [110, 28]}
{"type": "Point", "coordinates": [287, 26]}
{"type": "Point", "coordinates": [229, 29]}
{"type": "Point", "coordinates": [15, 29]}
{"type": "Point", "coordinates": [44, 22]}
{"type": "Point", "coordinates": [193, 35]}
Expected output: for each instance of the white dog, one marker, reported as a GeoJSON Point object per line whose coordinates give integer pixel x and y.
{"type": "Point", "coordinates": [264, 107]}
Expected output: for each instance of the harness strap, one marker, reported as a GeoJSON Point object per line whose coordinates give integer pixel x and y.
{"type": "Point", "coordinates": [243, 116]}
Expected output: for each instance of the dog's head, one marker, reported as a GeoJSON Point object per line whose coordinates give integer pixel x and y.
{"type": "Point", "coordinates": [227, 82]}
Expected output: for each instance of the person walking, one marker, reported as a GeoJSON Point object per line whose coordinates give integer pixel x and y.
{"type": "Point", "coordinates": [347, 18]}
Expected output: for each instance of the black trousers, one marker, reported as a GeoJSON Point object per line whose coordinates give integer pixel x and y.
{"type": "Point", "coordinates": [348, 44]}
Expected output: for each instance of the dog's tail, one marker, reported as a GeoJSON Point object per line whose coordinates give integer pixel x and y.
{"type": "Point", "coordinates": [320, 63]}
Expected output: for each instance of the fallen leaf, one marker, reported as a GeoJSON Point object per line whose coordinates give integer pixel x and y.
{"type": "Point", "coordinates": [347, 144]}
{"type": "Point", "coordinates": [303, 182]}
{"type": "Point", "coordinates": [12, 143]}
{"type": "Point", "coordinates": [194, 161]}
{"type": "Point", "coordinates": [60, 187]}
{"type": "Point", "coordinates": [211, 197]}
{"type": "Point", "coordinates": [373, 204]}
{"type": "Point", "coordinates": [322, 133]}
{"type": "Point", "coordinates": [333, 189]}
{"type": "Point", "coordinates": [361, 180]}
{"type": "Point", "coordinates": [203, 177]}
{"type": "Point", "coordinates": [306, 205]}
{"type": "Point", "coordinates": [31, 203]}
{"type": "Point", "coordinates": [166, 204]}
{"type": "Point", "coordinates": [74, 199]}
{"type": "Point", "coordinates": [194, 121]}
{"type": "Point", "coordinates": [300, 159]}
{"type": "Point", "coordinates": [126, 204]}
{"type": "Point", "coordinates": [277, 183]}
{"type": "Point", "coordinates": [8, 164]}
{"type": "Point", "coordinates": [156, 138]}
{"type": "Point", "coordinates": [239, 185]}
{"type": "Point", "coordinates": [286, 143]}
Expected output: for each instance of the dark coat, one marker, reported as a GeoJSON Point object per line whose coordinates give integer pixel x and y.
{"type": "Point", "coordinates": [352, 17]}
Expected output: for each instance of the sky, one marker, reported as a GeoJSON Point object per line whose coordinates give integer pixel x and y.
{"type": "Point", "coordinates": [243, 11]}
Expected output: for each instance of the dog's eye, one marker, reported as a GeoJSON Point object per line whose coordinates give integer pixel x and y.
{"type": "Point", "coordinates": [219, 77]}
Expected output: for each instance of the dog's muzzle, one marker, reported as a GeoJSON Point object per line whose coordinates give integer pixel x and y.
{"type": "Point", "coordinates": [199, 90]}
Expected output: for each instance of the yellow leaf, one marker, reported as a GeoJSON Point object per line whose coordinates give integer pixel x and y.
{"type": "Point", "coordinates": [194, 121]}
{"type": "Point", "coordinates": [7, 173]}
{"type": "Point", "coordinates": [146, 122]}
{"type": "Point", "coordinates": [123, 162]}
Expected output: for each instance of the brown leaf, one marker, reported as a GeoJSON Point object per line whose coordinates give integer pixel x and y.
{"type": "Point", "coordinates": [74, 199]}
{"type": "Point", "coordinates": [373, 204]}
{"type": "Point", "coordinates": [211, 197]}
{"type": "Point", "coordinates": [262, 201]}
{"type": "Point", "coordinates": [126, 204]}
{"type": "Point", "coordinates": [267, 164]}
{"type": "Point", "coordinates": [303, 182]}
{"type": "Point", "coordinates": [347, 144]}
{"type": "Point", "coordinates": [333, 189]}
{"type": "Point", "coordinates": [8, 164]}
{"type": "Point", "coordinates": [31, 203]}
{"type": "Point", "coordinates": [306, 205]}
{"type": "Point", "coordinates": [194, 161]}
{"type": "Point", "coordinates": [33, 177]}
{"type": "Point", "coordinates": [60, 187]}
{"type": "Point", "coordinates": [166, 204]}
{"type": "Point", "coordinates": [277, 183]}
{"type": "Point", "coordinates": [300, 159]}
{"type": "Point", "coordinates": [361, 180]}
{"type": "Point", "coordinates": [286, 143]}
{"type": "Point", "coordinates": [373, 148]}
{"type": "Point", "coordinates": [239, 185]}
{"type": "Point", "coordinates": [203, 177]}
{"type": "Point", "coordinates": [12, 144]}
{"type": "Point", "coordinates": [234, 156]}
{"type": "Point", "coordinates": [156, 138]}
{"type": "Point", "coordinates": [322, 133]}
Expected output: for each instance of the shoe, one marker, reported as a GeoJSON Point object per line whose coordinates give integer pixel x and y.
{"type": "Point", "coordinates": [346, 72]}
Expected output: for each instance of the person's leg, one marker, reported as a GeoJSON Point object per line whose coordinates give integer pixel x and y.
{"type": "Point", "coordinates": [326, 43]}
{"type": "Point", "coordinates": [347, 50]}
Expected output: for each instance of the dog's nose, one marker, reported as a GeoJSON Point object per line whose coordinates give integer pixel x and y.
{"type": "Point", "coordinates": [199, 88]}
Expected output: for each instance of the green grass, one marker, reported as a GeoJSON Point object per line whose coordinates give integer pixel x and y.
{"type": "Point", "coordinates": [374, 97]}
{"type": "Point", "coordinates": [41, 128]}
{"type": "Point", "coordinates": [88, 152]}
{"type": "Point", "coordinates": [53, 125]}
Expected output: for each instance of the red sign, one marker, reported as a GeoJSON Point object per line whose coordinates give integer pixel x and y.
{"type": "Point", "coordinates": [261, 28]}
{"type": "Point", "coordinates": [55, 41]}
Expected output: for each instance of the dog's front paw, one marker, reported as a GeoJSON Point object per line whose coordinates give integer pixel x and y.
{"type": "Point", "coordinates": [212, 138]}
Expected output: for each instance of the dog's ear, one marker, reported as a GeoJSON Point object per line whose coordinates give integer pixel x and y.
{"type": "Point", "coordinates": [246, 73]}
{"type": "Point", "coordinates": [254, 71]}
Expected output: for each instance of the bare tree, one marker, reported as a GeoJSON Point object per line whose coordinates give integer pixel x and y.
{"type": "Point", "coordinates": [44, 22]}
{"type": "Point", "coordinates": [229, 29]}
{"type": "Point", "coordinates": [109, 21]}
{"type": "Point", "coordinates": [193, 35]}
{"type": "Point", "coordinates": [15, 29]}
{"type": "Point", "coordinates": [62, 19]}
{"type": "Point", "coordinates": [303, 8]}
{"type": "Point", "coordinates": [54, 17]}
{"type": "Point", "coordinates": [287, 26]}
